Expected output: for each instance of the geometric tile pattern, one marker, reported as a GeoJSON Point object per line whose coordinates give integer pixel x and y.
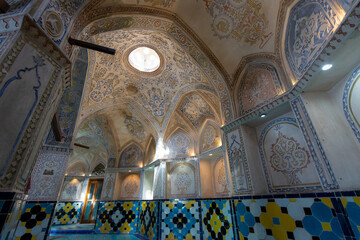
{"type": "Point", "coordinates": [180, 220]}
{"type": "Point", "coordinates": [148, 219]}
{"type": "Point", "coordinates": [117, 217]}
{"type": "Point", "coordinates": [34, 221]}
{"type": "Point", "coordinates": [352, 207]}
{"type": "Point", "coordinates": [287, 218]}
{"type": "Point", "coordinates": [67, 213]}
{"type": "Point", "coordinates": [217, 220]}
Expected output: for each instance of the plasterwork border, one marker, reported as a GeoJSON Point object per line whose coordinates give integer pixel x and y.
{"type": "Point", "coordinates": [352, 80]}
{"type": "Point", "coordinates": [286, 120]}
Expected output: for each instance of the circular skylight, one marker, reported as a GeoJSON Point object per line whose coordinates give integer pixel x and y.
{"type": "Point", "coordinates": [144, 59]}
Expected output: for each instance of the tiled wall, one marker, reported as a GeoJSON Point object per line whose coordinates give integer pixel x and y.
{"type": "Point", "coordinates": [285, 216]}
{"type": "Point", "coordinates": [67, 213]}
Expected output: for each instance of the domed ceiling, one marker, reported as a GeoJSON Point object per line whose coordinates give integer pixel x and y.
{"type": "Point", "coordinates": [231, 29]}
{"type": "Point", "coordinates": [207, 48]}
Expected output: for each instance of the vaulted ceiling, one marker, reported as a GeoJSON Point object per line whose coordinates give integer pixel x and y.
{"type": "Point", "coordinates": [219, 59]}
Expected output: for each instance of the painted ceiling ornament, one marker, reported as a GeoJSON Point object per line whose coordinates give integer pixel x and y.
{"type": "Point", "coordinates": [102, 90]}
{"type": "Point", "coordinates": [196, 109]}
{"type": "Point", "coordinates": [135, 127]}
{"type": "Point", "coordinates": [131, 186]}
{"type": "Point", "coordinates": [180, 144]}
{"type": "Point", "coordinates": [53, 24]}
{"type": "Point", "coordinates": [239, 19]}
{"type": "Point", "coordinates": [288, 157]}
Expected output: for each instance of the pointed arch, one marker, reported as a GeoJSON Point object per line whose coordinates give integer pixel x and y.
{"type": "Point", "coordinates": [131, 155]}
{"type": "Point", "coordinates": [210, 136]}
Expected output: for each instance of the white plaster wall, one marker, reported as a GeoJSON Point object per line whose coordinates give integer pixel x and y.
{"type": "Point", "coordinates": [338, 140]}
{"type": "Point", "coordinates": [206, 174]}
{"type": "Point", "coordinates": [252, 151]}
{"type": "Point", "coordinates": [148, 182]}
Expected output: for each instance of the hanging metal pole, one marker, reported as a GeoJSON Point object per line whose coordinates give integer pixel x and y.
{"type": "Point", "coordinates": [91, 46]}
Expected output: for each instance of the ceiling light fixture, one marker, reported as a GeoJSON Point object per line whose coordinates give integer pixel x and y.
{"type": "Point", "coordinates": [326, 67]}
{"type": "Point", "coordinates": [210, 154]}
{"type": "Point", "coordinates": [263, 115]}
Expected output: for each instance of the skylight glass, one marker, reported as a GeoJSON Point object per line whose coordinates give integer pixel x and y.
{"type": "Point", "coordinates": [144, 59]}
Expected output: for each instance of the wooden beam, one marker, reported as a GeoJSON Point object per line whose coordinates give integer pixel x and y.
{"type": "Point", "coordinates": [91, 46]}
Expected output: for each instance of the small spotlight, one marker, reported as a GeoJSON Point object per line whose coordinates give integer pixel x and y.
{"type": "Point", "coordinates": [263, 115]}
{"type": "Point", "coordinates": [129, 170]}
{"type": "Point", "coordinates": [326, 67]}
{"type": "Point", "coordinates": [210, 154]}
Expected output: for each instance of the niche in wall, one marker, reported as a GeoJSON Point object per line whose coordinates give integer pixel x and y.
{"type": "Point", "coordinates": [286, 160]}
{"type": "Point", "coordinates": [182, 179]}
{"type": "Point", "coordinates": [128, 186]}
{"type": "Point", "coordinates": [148, 183]}
{"type": "Point", "coordinates": [213, 176]}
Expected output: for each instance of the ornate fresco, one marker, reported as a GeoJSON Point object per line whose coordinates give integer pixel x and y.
{"type": "Point", "coordinates": [287, 161]}
{"type": "Point", "coordinates": [259, 83]}
{"type": "Point", "coordinates": [131, 157]}
{"type": "Point", "coordinates": [130, 187]}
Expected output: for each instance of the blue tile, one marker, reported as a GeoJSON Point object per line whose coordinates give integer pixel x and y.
{"type": "Point", "coordinates": [312, 225]}
{"type": "Point", "coordinates": [325, 194]}
{"type": "Point", "coordinates": [348, 194]}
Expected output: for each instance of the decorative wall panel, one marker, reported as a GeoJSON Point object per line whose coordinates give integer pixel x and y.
{"type": "Point", "coordinates": [109, 184]}
{"type": "Point", "coordinates": [131, 157]}
{"type": "Point", "coordinates": [56, 17]}
{"type": "Point", "coordinates": [286, 159]}
{"type": "Point", "coordinates": [48, 175]}
{"type": "Point", "coordinates": [238, 162]}
{"type": "Point", "coordinates": [284, 218]}
{"type": "Point", "coordinates": [130, 187]}
{"type": "Point", "coordinates": [180, 145]}
{"type": "Point", "coordinates": [182, 180]}
{"type": "Point", "coordinates": [259, 83]}
{"type": "Point", "coordinates": [117, 217]}
{"type": "Point", "coordinates": [301, 45]}
{"type": "Point", "coordinates": [351, 102]}
{"type": "Point", "coordinates": [70, 101]}
{"type": "Point", "coordinates": [219, 175]}
{"type": "Point", "coordinates": [72, 189]}
{"type": "Point", "coordinates": [180, 220]}
{"type": "Point", "coordinates": [148, 219]}
{"type": "Point", "coordinates": [67, 213]}
{"type": "Point", "coordinates": [217, 220]}
{"type": "Point", "coordinates": [34, 221]}
{"type": "Point", "coordinates": [210, 137]}
{"type": "Point", "coordinates": [323, 167]}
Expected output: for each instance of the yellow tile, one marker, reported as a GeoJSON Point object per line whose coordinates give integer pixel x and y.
{"type": "Point", "coordinates": [287, 222]}
{"type": "Point", "coordinates": [328, 202]}
{"type": "Point", "coordinates": [292, 200]}
{"type": "Point", "coordinates": [242, 218]}
{"type": "Point", "coordinates": [253, 200]}
{"type": "Point", "coordinates": [273, 209]}
{"type": "Point", "coordinates": [357, 200]}
{"type": "Point", "coordinates": [326, 226]}
{"type": "Point", "coordinates": [344, 202]}
{"type": "Point", "coordinates": [266, 220]}
{"type": "Point", "coordinates": [279, 233]}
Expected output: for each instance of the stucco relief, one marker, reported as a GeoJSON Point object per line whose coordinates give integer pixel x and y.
{"type": "Point", "coordinates": [47, 176]}
{"type": "Point", "coordinates": [109, 184]}
{"type": "Point", "coordinates": [210, 137]}
{"type": "Point", "coordinates": [130, 187]}
{"type": "Point", "coordinates": [220, 182]}
{"type": "Point", "coordinates": [182, 180]}
{"type": "Point", "coordinates": [131, 157]}
{"type": "Point", "coordinates": [72, 189]}
{"type": "Point", "coordinates": [259, 83]}
{"type": "Point", "coordinates": [310, 24]}
{"type": "Point", "coordinates": [351, 102]}
{"type": "Point", "coordinates": [196, 109]}
{"type": "Point", "coordinates": [237, 162]}
{"type": "Point", "coordinates": [180, 144]}
{"type": "Point", "coordinates": [241, 20]}
{"type": "Point", "coordinates": [286, 160]}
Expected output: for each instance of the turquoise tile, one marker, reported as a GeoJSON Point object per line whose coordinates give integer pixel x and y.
{"type": "Point", "coordinates": [336, 227]}
{"type": "Point", "coordinates": [321, 212]}
{"type": "Point", "coordinates": [312, 225]}
{"type": "Point", "coordinates": [353, 211]}
{"type": "Point", "coordinates": [249, 219]}
{"type": "Point", "coordinates": [326, 235]}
